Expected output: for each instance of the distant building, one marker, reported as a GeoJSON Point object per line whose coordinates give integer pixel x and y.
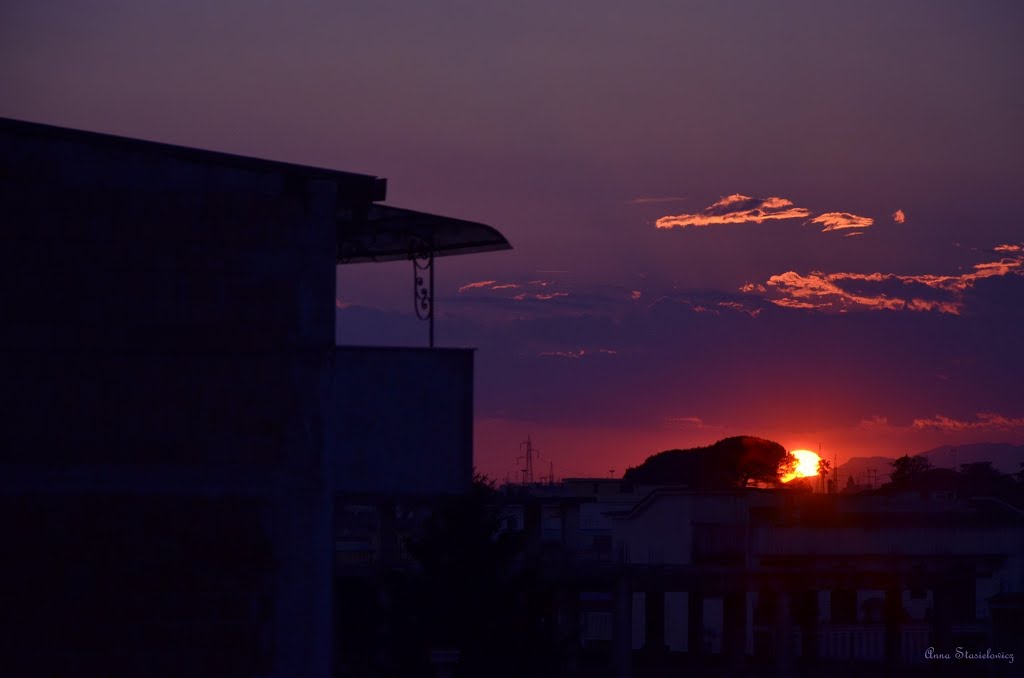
{"type": "Point", "coordinates": [778, 579]}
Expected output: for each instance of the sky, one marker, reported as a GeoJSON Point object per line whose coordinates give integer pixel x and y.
{"type": "Point", "coordinates": [795, 220]}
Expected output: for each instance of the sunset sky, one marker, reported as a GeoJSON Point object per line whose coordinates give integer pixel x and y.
{"type": "Point", "coordinates": [795, 220]}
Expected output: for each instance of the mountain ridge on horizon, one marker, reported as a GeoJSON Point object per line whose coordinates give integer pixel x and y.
{"type": "Point", "coordinates": [1005, 457]}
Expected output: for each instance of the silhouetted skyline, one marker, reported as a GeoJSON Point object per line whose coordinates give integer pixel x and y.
{"type": "Point", "coordinates": [575, 129]}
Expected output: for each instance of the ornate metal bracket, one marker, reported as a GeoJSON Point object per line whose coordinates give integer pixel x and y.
{"type": "Point", "coordinates": [422, 254]}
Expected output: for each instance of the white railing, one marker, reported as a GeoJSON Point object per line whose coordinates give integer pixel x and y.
{"type": "Point", "coordinates": [866, 642]}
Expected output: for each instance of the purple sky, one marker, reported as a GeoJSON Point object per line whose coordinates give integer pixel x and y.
{"type": "Point", "coordinates": [757, 131]}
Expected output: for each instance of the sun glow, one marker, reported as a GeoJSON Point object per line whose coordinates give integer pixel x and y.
{"type": "Point", "coordinates": [806, 465]}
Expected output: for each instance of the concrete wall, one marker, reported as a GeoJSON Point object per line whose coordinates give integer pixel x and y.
{"type": "Point", "coordinates": [891, 540]}
{"type": "Point", "coordinates": [402, 421]}
{"type": "Point", "coordinates": [663, 529]}
{"type": "Point", "coordinates": [164, 357]}
{"type": "Point", "coordinates": [156, 309]}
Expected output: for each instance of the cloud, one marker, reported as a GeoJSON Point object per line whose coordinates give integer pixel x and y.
{"type": "Point", "coordinates": [983, 421]}
{"type": "Point", "coordinates": [916, 304]}
{"type": "Point", "coordinates": [524, 298]}
{"type": "Point", "coordinates": [655, 200]}
{"type": "Point", "coordinates": [577, 354]}
{"type": "Point", "coordinates": [737, 209]}
{"type": "Point", "coordinates": [820, 290]}
{"type": "Point", "coordinates": [875, 423]}
{"type": "Point", "coordinates": [899, 216]}
{"type": "Point", "coordinates": [989, 421]}
{"type": "Point", "coordinates": [737, 306]}
{"type": "Point", "coordinates": [843, 291]}
{"type": "Point", "coordinates": [685, 422]}
{"type": "Point", "coordinates": [495, 286]}
{"type": "Point", "coordinates": [543, 296]}
{"type": "Point", "coordinates": [707, 302]}
{"type": "Point", "coordinates": [1009, 248]}
{"type": "Point", "coordinates": [959, 283]}
{"type": "Point", "coordinates": [476, 285]}
{"type": "Point", "coordinates": [835, 221]}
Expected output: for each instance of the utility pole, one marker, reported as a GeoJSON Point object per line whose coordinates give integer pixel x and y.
{"type": "Point", "coordinates": [527, 460]}
{"type": "Point", "coordinates": [821, 476]}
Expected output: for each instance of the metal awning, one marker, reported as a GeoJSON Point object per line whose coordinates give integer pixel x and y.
{"type": "Point", "coordinates": [396, 234]}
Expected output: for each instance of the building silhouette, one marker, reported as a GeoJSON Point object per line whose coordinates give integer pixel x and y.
{"type": "Point", "coordinates": [649, 579]}
{"type": "Point", "coordinates": [178, 420]}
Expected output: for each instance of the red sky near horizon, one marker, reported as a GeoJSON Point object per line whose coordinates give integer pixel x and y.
{"type": "Point", "coordinates": [799, 220]}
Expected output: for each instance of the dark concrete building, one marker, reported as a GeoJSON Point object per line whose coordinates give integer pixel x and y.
{"type": "Point", "coordinates": [177, 417]}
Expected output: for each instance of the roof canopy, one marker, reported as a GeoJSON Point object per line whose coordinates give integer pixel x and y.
{"type": "Point", "coordinates": [395, 234]}
{"type": "Point", "coordinates": [368, 231]}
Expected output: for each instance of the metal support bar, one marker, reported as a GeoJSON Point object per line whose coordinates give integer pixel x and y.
{"type": "Point", "coordinates": [422, 255]}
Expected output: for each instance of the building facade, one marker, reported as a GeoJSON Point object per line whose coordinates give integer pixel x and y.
{"type": "Point", "coordinates": [177, 418]}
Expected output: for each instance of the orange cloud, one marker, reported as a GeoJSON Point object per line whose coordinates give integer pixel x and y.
{"type": "Point", "coordinates": [899, 216]}
{"type": "Point", "coordinates": [793, 303]}
{"type": "Point", "coordinates": [819, 290]}
{"type": "Point", "coordinates": [916, 304]}
{"type": "Point", "coordinates": [540, 297]}
{"type": "Point", "coordinates": [475, 285]}
{"type": "Point", "coordinates": [829, 291]}
{"type": "Point", "coordinates": [985, 420]}
{"type": "Point", "coordinates": [635, 294]}
{"type": "Point", "coordinates": [493, 285]}
{"type": "Point", "coordinates": [1009, 248]}
{"type": "Point", "coordinates": [736, 209]}
{"type": "Point", "coordinates": [959, 283]}
{"type": "Point", "coordinates": [737, 306]}
{"type": "Point", "coordinates": [835, 221]}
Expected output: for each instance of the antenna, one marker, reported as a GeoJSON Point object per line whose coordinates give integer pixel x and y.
{"type": "Point", "coordinates": [527, 459]}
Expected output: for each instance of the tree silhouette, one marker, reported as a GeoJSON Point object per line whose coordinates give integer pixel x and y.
{"type": "Point", "coordinates": [734, 462]}
{"type": "Point", "coordinates": [824, 466]}
{"type": "Point", "coordinates": [472, 592]}
{"type": "Point", "coordinates": [907, 467]}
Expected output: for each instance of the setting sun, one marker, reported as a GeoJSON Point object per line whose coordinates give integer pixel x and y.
{"type": "Point", "coordinates": [806, 465]}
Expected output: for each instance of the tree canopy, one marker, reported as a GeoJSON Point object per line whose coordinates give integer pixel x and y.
{"type": "Point", "coordinates": [907, 467]}
{"type": "Point", "coordinates": [730, 463]}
